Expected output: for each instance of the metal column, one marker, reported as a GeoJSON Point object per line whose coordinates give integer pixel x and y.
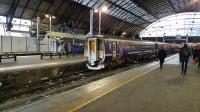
{"type": "Point", "coordinates": [99, 22]}
{"type": "Point", "coordinates": [50, 34]}
{"type": "Point", "coordinates": [26, 45]}
{"type": "Point", "coordinates": [11, 47]}
{"type": "Point", "coordinates": [163, 39]}
{"type": "Point", "coordinates": [50, 24]}
{"type": "Point", "coordinates": [1, 43]}
{"type": "Point", "coordinates": [38, 34]}
{"type": "Point", "coordinates": [91, 22]}
{"type": "Point", "coordinates": [187, 39]}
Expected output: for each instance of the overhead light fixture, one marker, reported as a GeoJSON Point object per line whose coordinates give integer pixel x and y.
{"type": "Point", "coordinates": [124, 33]}
{"type": "Point", "coordinates": [53, 17]}
{"type": "Point", "coordinates": [46, 15]}
{"type": "Point", "coordinates": [104, 9]}
{"type": "Point", "coordinates": [96, 10]}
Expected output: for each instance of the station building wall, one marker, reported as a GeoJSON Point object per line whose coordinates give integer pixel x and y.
{"type": "Point", "coordinates": [22, 44]}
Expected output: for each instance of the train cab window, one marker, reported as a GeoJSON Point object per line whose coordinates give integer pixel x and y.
{"type": "Point", "coordinates": [92, 46]}
{"type": "Point", "coordinates": [127, 48]}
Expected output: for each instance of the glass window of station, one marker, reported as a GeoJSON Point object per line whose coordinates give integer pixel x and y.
{"type": "Point", "coordinates": [20, 28]}
{"type": "Point", "coordinates": [182, 24]}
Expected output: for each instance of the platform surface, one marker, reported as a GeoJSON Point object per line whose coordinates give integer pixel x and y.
{"type": "Point", "coordinates": [144, 89]}
{"type": "Point", "coordinates": [159, 91]}
{"type": "Point", "coordinates": [25, 62]}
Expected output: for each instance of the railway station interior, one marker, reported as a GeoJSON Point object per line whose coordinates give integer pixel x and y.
{"type": "Point", "coordinates": [99, 55]}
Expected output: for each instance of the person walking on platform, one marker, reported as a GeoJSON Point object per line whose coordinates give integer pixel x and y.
{"type": "Point", "coordinates": [161, 56]}
{"type": "Point", "coordinates": [195, 55]}
{"type": "Point", "coordinates": [198, 57]}
{"type": "Point", "coordinates": [180, 49]}
{"type": "Point", "coordinates": [185, 54]}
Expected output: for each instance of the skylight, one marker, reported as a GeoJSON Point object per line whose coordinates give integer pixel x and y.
{"type": "Point", "coordinates": [181, 24]}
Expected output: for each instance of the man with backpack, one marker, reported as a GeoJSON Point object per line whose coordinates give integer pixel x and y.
{"type": "Point", "coordinates": [185, 54]}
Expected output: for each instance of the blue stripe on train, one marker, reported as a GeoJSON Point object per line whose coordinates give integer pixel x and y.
{"type": "Point", "coordinates": [134, 53]}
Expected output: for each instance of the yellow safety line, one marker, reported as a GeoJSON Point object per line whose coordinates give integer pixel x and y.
{"type": "Point", "coordinates": [114, 88]}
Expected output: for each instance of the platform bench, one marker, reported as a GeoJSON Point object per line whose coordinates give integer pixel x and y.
{"type": "Point", "coordinates": [51, 55]}
{"type": "Point", "coordinates": [8, 56]}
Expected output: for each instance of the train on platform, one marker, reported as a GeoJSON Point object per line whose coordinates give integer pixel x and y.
{"type": "Point", "coordinates": [102, 51]}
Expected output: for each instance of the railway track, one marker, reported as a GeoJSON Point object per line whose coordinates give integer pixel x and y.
{"type": "Point", "coordinates": [48, 86]}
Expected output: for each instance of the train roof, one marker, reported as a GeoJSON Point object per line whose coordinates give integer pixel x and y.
{"type": "Point", "coordinates": [125, 39]}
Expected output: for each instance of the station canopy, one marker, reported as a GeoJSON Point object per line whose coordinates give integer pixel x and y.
{"type": "Point", "coordinates": [130, 16]}
{"type": "Point", "coordinates": [182, 24]}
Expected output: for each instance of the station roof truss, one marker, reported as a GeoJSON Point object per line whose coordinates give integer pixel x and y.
{"type": "Point", "coordinates": [122, 16]}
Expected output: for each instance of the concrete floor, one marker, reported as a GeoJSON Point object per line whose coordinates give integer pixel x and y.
{"type": "Point", "coordinates": [79, 97]}
{"type": "Point", "coordinates": [159, 91]}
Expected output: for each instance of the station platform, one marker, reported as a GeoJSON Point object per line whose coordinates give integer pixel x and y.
{"type": "Point", "coordinates": [144, 89]}
{"type": "Point", "coordinates": [34, 62]}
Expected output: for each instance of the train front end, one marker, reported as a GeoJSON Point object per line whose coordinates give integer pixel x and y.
{"type": "Point", "coordinates": [95, 53]}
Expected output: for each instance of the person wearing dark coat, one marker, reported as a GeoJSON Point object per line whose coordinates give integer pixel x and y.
{"type": "Point", "coordinates": [180, 49]}
{"type": "Point", "coordinates": [185, 54]}
{"type": "Point", "coordinates": [161, 56]}
{"type": "Point", "coordinates": [198, 57]}
{"type": "Point", "coordinates": [195, 54]}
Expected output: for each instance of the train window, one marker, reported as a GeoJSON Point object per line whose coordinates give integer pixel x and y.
{"type": "Point", "coordinates": [114, 46]}
{"type": "Point", "coordinates": [100, 44]}
{"type": "Point", "coordinates": [110, 45]}
{"type": "Point", "coordinates": [133, 47]}
{"type": "Point", "coordinates": [127, 48]}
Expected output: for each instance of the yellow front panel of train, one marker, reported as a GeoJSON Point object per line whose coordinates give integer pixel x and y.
{"type": "Point", "coordinates": [92, 46]}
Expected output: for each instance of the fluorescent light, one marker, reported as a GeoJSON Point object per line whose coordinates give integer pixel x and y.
{"type": "Point", "coordinates": [124, 33]}
{"type": "Point", "coordinates": [96, 10]}
{"type": "Point", "coordinates": [53, 17]}
{"type": "Point", "coordinates": [104, 9]}
{"type": "Point", "coordinates": [46, 15]}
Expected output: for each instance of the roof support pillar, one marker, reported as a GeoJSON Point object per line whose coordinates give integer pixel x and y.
{"type": "Point", "coordinates": [11, 13]}
{"type": "Point", "coordinates": [91, 21]}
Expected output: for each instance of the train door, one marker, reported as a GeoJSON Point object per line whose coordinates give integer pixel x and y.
{"type": "Point", "coordinates": [114, 50]}
{"type": "Point", "coordinates": [100, 49]}
{"type": "Point", "coordinates": [92, 50]}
